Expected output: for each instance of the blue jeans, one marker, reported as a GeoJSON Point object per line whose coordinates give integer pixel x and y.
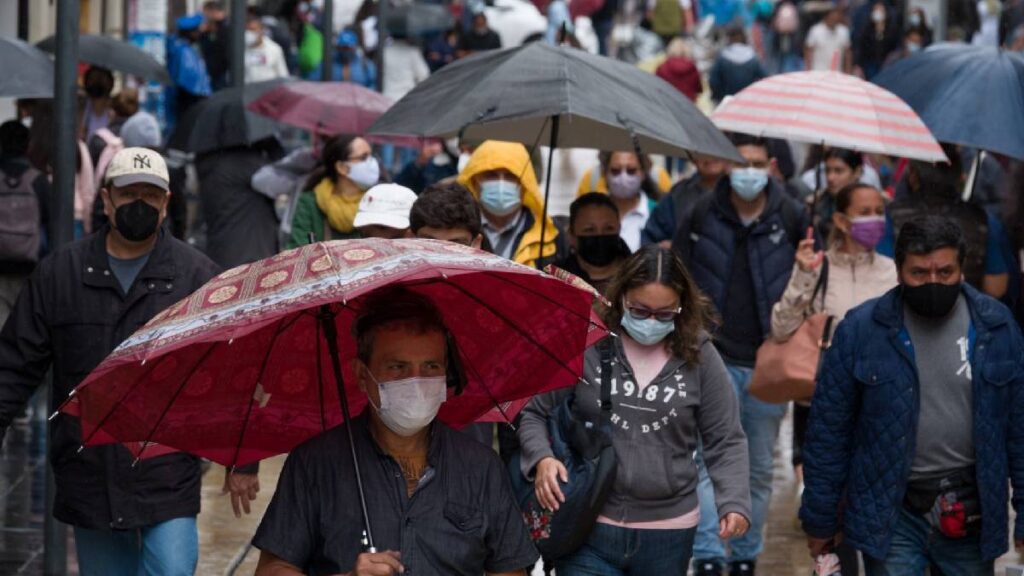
{"type": "Point", "coordinates": [915, 545]}
{"type": "Point", "coordinates": [170, 548]}
{"type": "Point", "coordinates": [614, 551]}
{"type": "Point", "coordinates": [760, 422]}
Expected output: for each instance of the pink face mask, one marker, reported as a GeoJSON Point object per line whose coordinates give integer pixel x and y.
{"type": "Point", "coordinates": [625, 185]}
{"type": "Point", "coordinates": [867, 230]}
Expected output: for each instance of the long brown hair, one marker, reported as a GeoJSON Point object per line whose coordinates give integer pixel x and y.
{"type": "Point", "coordinates": [653, 264]}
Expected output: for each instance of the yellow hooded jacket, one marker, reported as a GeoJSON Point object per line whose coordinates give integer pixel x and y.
{"type": "Point", "coordinates": [495, 155]}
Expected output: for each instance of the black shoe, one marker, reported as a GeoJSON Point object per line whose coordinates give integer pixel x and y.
{"type": "Point", "coordinates": [707, 568]}
{"type": "Point", "coordinates": [742, 568]}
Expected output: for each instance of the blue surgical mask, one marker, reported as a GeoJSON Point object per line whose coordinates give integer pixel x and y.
{"type": "Point", "coordinates": [748, 182]}
{"type": "Point", "coordinates": [365, 174]}
{"type": "Point", "coordinates": [501, 197]}
{"type": "Point", "coordinates": [647, 332]}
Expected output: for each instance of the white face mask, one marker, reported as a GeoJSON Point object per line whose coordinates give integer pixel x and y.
{"type": "Point", "coordinates": [409, 405]}
{"type": "Point", "coordinates": [463, 161]}
{"type": "Point", "coordinates": [251, 38]}
{"type": "Point", "coordinates": [364, 174]}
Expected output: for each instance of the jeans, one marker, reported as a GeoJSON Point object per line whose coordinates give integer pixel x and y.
{"type": "Point", "coordinates": [915, 545]}
{"type": "Point", "coordinates": [760, 422]}
{"type": "Point", "coordinates": [611, 551]}
{"type": "Point", "coordinates": [170, 548]}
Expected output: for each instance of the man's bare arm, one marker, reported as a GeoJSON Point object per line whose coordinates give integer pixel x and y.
{"type": "Point", "coordinates": [271, 565]}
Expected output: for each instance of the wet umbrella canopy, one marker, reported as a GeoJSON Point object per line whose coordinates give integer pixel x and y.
{"type": "Point", "coordinates": [25, 71]}
{"type": "Point", "coordinates": [967, 95]}
{"type": "Point", "coordinates": [418, 19]}
{"type": "Point", "coordinates": [517, 94]}
{"type": "Point", "coordinates": [222, 121]}
{"type": "Point", "coordinates": [116, 55]}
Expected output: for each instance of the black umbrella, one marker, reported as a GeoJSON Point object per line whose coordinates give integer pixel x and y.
{"type": "Point", "coordinates": [223, 120]}
{"type": "Point", "coordinates": [418, 19]}
{"type": "Point", "coordinates": [562, 96]}
{"type": "Point", "coordinates": [117, 55]}
{"type": "Point", "coordinates": [25, 71]}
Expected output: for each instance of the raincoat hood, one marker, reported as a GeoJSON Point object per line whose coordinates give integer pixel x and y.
{"type": "Point", "coordinates": [738, 53]}
{"type": "Point", "coordinates": [495, 155]}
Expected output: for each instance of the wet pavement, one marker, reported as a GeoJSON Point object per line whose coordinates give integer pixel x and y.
{"type": "Point", "coordinates": [223, 538]}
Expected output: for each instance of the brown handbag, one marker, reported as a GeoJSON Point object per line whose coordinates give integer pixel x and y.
{"type": "Point", "coordinates": [786, 371]}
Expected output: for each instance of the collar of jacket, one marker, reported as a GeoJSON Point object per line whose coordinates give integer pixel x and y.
{"type": "Point", "coordinates": [96, 263]}
{"type": "Point", "coordinates": [724, 205]}
{"type": "Point", "coordinates": [671, 367]}
{"type": "Point", "coordinates": [984, 310]}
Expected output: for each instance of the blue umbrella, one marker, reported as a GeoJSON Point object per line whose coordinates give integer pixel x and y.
{"type": "Point", "coordinates": [966, 95]}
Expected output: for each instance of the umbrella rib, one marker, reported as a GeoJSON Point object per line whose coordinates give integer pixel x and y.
{"type": "Point", "coordinates": [551, 300]}
{"type": "Point", "coordinates": [281, 329]}
{"type": "Point", "coordinates": [483, 382]}
{"type": "Point", "coordinates": [521, 332]}
{"type": "Point", "coordinates": [320, 378]}
{"type": "Point", "coordinates": [167, 408]}
{"type": "Point", "coordinates": [113, 408]}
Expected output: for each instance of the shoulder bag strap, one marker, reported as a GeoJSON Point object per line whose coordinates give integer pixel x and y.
{"type": "Point", "coordinates": [821, 288]}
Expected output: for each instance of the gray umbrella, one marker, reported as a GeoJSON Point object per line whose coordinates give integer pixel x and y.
{"type": "Point", "coordinates": [418, 19]}
{"type": "Point", "coordinates": [558, 96]}
{"type": "Point", "coordinates": [224, 121]}
{"type": "Point", "coordinates": [25, 71]}
{"type": "Point", "coordinates": [115, 54]}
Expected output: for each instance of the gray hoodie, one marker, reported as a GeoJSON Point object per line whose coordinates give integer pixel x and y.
{"type": "Point", "coordinates": [655, 435]}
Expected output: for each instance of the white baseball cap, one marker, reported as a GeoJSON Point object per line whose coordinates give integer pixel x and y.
{"type": "Point", "coordinates": [385, 205]}
{"type": "Point", "coordinates": [135, 166]}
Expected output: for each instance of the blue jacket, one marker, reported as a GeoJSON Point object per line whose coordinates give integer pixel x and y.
{"type": "Point", "coordinates": [863, 424]}
{"type": "Point", "coordinates": [186, 67]}
{"type": "Point", "coordinates": [706, 241]}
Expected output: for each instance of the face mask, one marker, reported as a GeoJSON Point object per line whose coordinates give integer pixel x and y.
{"type": "Point", "coordinates": [463, 161]}
{"type": "Point", "coordinates": [365, 174]}
{"type": "Point", "coordinates": [625, 185]}
{"type": "Point", "coordinates": [251, 38]}
{"type": "Point", "coordinates": [409, 405]}
{"type": "Point", "coordinates": [501, 197]}
{"type": "Point", "coordinates": [26, 121]}
{"type": "Point", "coordinates": [598, 250]}
{"type": "Point", "coordinates": [647, 332]}
{"type": "Point", "coordinates": [913, 47]}
{"type": "Point", "coordinates": [748, 182]}
{"type": "Point", "coordinates": [867, 230]}
{"type": "Point", "coordinates": [137, 220]}
{"type": "Point", "coordinates": [932, 300]}
{"type": "Point", "coordinates": [878, 16]}
{"type": "Point", "coordinates": [915, 20]}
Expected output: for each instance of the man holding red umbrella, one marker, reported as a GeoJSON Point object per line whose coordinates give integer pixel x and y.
{"type": "Point", "coordinates": [436, 501]}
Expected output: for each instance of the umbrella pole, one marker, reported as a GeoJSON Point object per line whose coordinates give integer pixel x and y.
{"type": "Point", "coordinates": [331, 335]}
{"type": "Point", "coordinates": [547, 188]}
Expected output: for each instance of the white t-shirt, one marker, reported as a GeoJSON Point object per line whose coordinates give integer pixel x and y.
{"type": "Point", "coordinates": [825, 42]}
{"type": "Point", "coordinates": [265, 62]}
{"type": "Point", "coordinates": [404, 68]}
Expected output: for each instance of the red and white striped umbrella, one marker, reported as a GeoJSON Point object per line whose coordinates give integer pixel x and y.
{"type": "Point", "coordinates": [829, 108]}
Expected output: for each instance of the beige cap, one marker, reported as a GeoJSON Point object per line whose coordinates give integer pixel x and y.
{"type": "Point", "coordinates": [135, 166]}
{"type": "Point", "coordinates": [385, 205]}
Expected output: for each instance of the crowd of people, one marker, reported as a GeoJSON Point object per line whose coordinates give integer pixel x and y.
{"type": "Point", "coordinates": [904, 452]}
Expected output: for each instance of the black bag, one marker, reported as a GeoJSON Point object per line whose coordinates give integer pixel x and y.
{"type": "Point", "coordinates": [585, 448]}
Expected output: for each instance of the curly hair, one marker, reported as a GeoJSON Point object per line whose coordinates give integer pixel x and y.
{"type": "Point", "coordinates": [653, 264]}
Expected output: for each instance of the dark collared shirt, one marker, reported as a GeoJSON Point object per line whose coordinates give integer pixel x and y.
{"type": "Point", "coordinates": [461, 519]}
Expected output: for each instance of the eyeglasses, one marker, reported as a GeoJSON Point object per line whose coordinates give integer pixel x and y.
{"type": "Point", "coordinates": [616, 171]}
{"type": "Point", "coordinates": [643, 313]}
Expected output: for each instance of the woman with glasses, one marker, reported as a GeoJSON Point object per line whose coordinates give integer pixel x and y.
{"type": "Point", "coordinates": [328, 207]}
{"type": "Point", "coordinates": [668, 387]}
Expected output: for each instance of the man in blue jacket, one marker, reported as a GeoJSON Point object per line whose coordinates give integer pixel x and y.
{"type": "Point", "coordinates": [739, 242]}
{"type": "Point", "coordinates": [918, 420]}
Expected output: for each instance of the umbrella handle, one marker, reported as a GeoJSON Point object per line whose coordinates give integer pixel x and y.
{"type": "Point", "coordinates": [326, 318]}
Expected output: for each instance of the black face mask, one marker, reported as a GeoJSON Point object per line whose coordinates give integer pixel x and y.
{"type": "Point", "coordinates": [598, 250]}
{"type": "Point", "coordinates": [931, 300]}
{"type": "Point", "coordinates": [136, 221]}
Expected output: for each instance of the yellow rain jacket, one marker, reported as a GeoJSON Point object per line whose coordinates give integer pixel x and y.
{"type": "Point", "coordinates": [495, 155]}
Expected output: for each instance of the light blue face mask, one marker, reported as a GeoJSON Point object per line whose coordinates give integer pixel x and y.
{"type": "Point", "coordinates": [647, 332]}
{"type": "Point", "coordinates": [501, 197]}
{"type": "Point", "coordinates": [748, 182]}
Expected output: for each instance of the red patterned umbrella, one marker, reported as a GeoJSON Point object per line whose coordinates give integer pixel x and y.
{"type": "Point", "coordinates": [241, 369]}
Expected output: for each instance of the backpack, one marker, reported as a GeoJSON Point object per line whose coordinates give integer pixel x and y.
{"type": "Point", "coordinates": [113, 146]}
{"type": "Point", "coordinates": [20, 234]}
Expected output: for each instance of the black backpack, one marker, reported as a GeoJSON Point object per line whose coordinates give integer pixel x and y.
{"type": "Point", "coordinates": [19, 218]}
